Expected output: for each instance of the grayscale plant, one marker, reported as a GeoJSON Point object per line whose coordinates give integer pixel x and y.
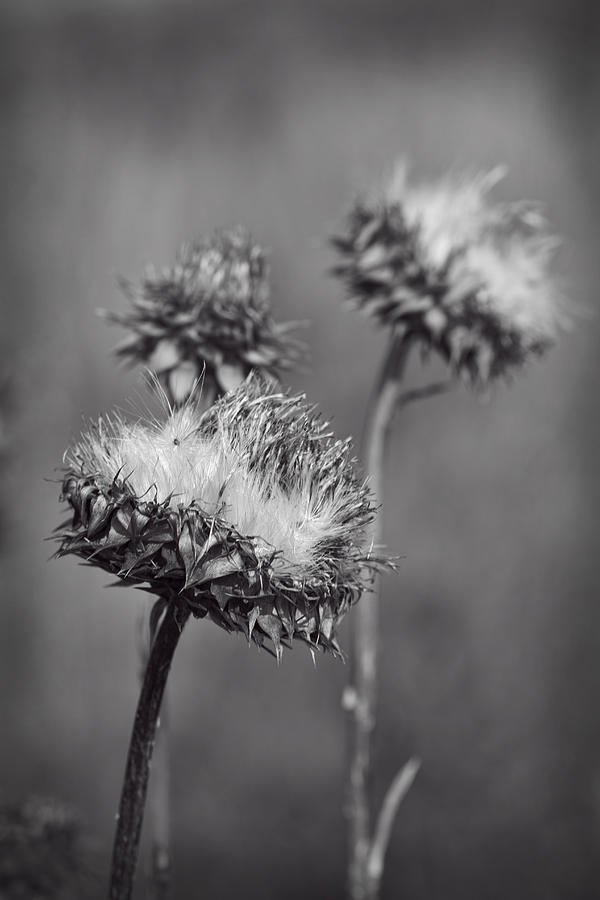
{"type": "Point", "coordinates": [238, 505]}
{"type": "Point", "coordinates": [208, 316]}
{"type": "Point", "coordinates": [249, 514]}
{"type": "Point", "coordinates": [442, 268]}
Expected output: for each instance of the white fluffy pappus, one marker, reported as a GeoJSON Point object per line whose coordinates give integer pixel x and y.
{"type": "Point", "coordinates": [264, 463]}
{"type": "Point", "coordinates": [449, 213]}
{"type": "Point", "coordinates": [513, 284]}
{"type": "Point", "coordinates": [502, 250]}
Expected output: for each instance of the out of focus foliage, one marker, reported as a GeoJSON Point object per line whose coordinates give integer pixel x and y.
{"type": "Point", "coordinates": [42, 856]}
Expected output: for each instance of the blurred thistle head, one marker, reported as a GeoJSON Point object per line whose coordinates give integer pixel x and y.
{"type": "Point", "coordinates": [208, 316]}
{"type": "Point", "coordinates": [43, 853]}
{"type": "Point", "coordinates": [250, 513]}
{"type": "Point", "coordinates": [441, 265]}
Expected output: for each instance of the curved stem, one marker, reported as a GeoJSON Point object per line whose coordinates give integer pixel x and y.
{"type": "Point", "coordinates": [135, 782]}
{"type": "Point", "coordinates": [396, 793]}
{"type": "Point", "coordinates": [363, 693]}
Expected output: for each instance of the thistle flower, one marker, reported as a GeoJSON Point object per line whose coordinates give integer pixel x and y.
{"type": "Point", "coordinates": [249, 513]}
{"type": "Point", "coordinates": [207, 316]}
{"type": "Point", "coordinates": [442, 266]}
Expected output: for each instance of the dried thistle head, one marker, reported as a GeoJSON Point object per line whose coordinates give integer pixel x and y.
{"type": "Point", "coordinates": [208, 316]}
{"type": "Point", "coordinates": [250, 513]}
{"type": "Point", "coordinates": [441, 265]}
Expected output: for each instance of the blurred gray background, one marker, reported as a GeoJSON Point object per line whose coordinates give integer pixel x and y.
{"type": "Point", "coordinates": [130, 127]}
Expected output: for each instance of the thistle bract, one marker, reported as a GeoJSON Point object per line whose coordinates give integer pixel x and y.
{"type": "Point", "coordinates": [249, 513]}
{"type": "Point", "coordinates": [208, 316]}
{"type": "Point", "coordinates": [441, 265]}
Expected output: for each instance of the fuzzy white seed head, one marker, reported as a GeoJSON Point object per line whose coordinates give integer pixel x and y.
{"type": "Point", "coordinates": [444, 266]}
{"type": "Point", "coordinates": [249, 512]}
{"type": "Point", "coordinates": [178, 460]}
{"type": "Point", "coordinates": [448, 214]}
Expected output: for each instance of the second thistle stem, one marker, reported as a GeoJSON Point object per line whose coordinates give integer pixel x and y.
{"type": "Point", "coordinates": [135, 783]}
{"type": "Point", "coordinates": [367, 844]}
{"type": "Point", "coordinates": [365, 637]}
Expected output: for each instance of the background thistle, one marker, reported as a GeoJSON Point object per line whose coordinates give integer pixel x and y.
{"type": "Point", "coordinates": [208, 316]}
{"type": "Point", "coordinates": [441, 266]}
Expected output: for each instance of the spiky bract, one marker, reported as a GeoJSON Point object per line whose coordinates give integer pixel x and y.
{"type": "Point", "coordinates": [208, 316]}
{"type": "Point", "coordinates": [249, 513]}
{"type": "Point", "coordinates": [442, 266]}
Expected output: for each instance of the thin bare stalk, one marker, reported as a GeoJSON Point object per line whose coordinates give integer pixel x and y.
{"type": "Point", "coordinates": [362, 696]}
{"type": "Point", "coordinates": [135, 782]}
{"type": "Point", "coordinates": [396, 793]}
{"type": "Point", "coordinates": [366, 853]}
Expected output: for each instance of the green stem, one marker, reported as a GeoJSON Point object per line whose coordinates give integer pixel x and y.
{"type": "Point", "coordinates": [135, 782]}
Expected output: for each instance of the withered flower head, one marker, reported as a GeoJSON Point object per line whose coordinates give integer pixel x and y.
{"type": "Point", "coordinates": [443, 266]}
{"type": "Point", "coordinates": [250, 513]}
{"type": "Point", "coordinates": [208, 316]}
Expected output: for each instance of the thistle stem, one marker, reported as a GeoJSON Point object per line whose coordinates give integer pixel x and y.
{"type": "Point", "coordinates": [159, 802]}
{"type": "Point", "coordinates": [396, 793]}
{"type": "Point", "coordinates": [135, 782]}
{"type": "Point", "coordinates": [363, 692]}
{"type": "Point", "coordinates": [367, 846]}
